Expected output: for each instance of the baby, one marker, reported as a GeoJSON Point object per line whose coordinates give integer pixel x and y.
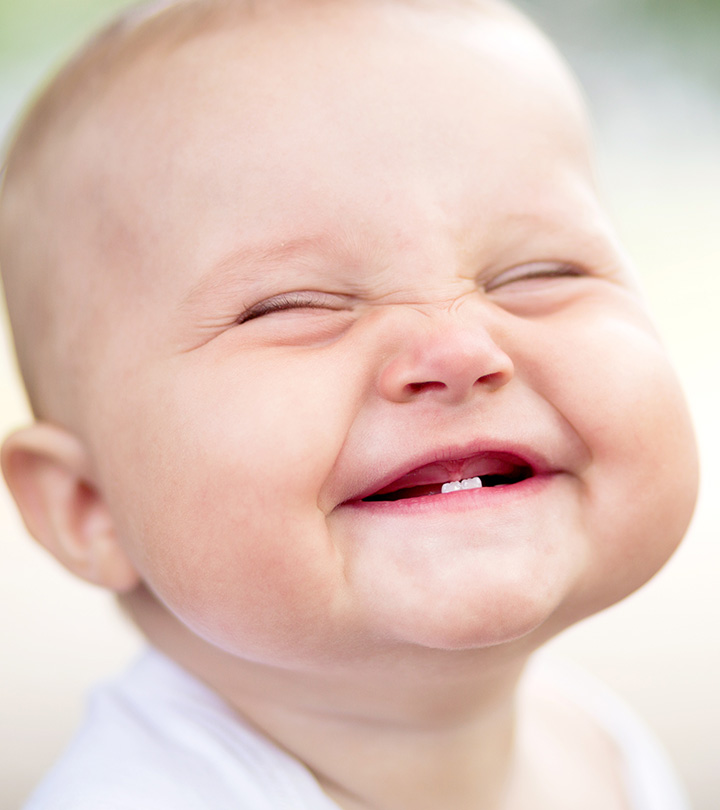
{"type": "Point", "coordinates": [344, 385]}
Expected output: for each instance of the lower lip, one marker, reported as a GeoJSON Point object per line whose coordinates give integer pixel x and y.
{"type": "Point", "coordinates": [459, 501]}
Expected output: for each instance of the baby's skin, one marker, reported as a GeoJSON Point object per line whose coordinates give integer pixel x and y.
{"type": "Point", "coordinates": [287, 275]}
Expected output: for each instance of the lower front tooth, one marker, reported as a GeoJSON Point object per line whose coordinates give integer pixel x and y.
{"type": "Point", "coordinates": [467, 483]}
{"type": "Point", "coordinates": [471, 483]}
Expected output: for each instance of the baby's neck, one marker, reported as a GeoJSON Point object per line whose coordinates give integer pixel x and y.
{"type": "Point", "coordinates": [424, 733]}
{"type": "Point", "coordinates": [402, 747]}
{"type": "Point", "coordinates": [376, 767]}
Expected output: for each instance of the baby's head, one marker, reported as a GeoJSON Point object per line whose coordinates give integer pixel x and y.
{"type": "Point", "coordinates": [277, 273]}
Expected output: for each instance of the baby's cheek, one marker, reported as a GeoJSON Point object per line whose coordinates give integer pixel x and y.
{"type": "Point", "coordinates": [643, 481]}
{"type": "Point", "coordinates": [644, 422]}
{"type": "Point", "coordinates": [618, 388]}
{"type": "Point", "coordinates": [610, 378]}
{"type": "Point", "coordinates": [236, 568]}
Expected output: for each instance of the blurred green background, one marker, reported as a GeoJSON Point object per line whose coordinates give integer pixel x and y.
{"type": "Point", "coordinates": [651, 70]}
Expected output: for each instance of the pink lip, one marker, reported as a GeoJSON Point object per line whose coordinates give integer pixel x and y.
{"type": "Point", "coordinates": [453, 464]}
{"type": "Point", "coordinates": [460, 501]}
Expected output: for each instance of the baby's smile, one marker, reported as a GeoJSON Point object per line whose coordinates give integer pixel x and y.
{"type": "Point", "coordinates": [483, 470]}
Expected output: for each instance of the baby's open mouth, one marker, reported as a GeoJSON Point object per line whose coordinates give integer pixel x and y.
{"type": "Point", "coordinates": [446, 477]}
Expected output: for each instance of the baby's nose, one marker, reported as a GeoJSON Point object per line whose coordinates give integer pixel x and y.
{"type": "Point", "coordinates": [445, 356]}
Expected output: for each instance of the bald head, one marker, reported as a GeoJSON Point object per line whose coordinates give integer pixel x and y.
{"type": "Point", "coordinates": [57, 218]}
{"type": "Point", "coordinates": [73, 236]}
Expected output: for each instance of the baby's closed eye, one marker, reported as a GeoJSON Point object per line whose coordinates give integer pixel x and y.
{"type": "Point", "coordinates": [295, 300]}
{"type": "Point", "coordinates": [532, 272]}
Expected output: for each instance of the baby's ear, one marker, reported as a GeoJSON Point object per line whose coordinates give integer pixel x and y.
{"type": "Point", "coordinates": [46, 469]}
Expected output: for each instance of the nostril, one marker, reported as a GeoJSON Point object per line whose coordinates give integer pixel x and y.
{"type": "Point", "coordinates": [494, 380]}
{"type": "Point", "coordinates": [416, 388]}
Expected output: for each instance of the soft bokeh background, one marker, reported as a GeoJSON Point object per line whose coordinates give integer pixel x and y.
{"type": "Point", "coordinates": [651, 69]}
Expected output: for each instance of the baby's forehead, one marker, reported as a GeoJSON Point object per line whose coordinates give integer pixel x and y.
{"type": "Point", "coordinates": [148, 38]}
{"type": "Point", "coordinates": [167, 67]}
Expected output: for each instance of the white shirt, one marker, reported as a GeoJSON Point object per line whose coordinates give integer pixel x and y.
{"type": "Point", "coordinates": [158, 739]}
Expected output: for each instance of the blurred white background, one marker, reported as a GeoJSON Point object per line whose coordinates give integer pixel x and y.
{"type": "Point", "coordinates": [654, 90]}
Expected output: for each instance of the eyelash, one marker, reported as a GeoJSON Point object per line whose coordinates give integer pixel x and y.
{"type": "Point", "coordinates": [527, 273]}
{"type": "Point", "coordinates": [282, 303]}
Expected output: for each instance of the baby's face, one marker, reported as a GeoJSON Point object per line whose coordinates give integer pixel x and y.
{"type": "Point", "coordinates": [362, 257]}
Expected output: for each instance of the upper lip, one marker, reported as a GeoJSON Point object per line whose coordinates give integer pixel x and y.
{"type": "Point", "coordinates": [454, 463]}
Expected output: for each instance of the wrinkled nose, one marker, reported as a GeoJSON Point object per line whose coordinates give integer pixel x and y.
{"type": "Point", "coordinates": [445, 358]}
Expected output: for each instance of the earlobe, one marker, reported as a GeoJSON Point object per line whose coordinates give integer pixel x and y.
{"type": "Point", "coordinates": [47, 472]}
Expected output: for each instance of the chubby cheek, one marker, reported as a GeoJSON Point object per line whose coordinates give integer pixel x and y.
{"type": "Point", "coordinates": [238, 584]}
{"type": "Point", "coordinates": [223, 520]}
{"type": "Point", "coordinates": [623, 398]}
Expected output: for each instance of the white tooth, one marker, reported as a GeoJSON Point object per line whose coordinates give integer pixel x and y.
{"type": "Point", "coordinates": [466, 483]}
{"type": "Point", "coordinates": [471, 483]}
